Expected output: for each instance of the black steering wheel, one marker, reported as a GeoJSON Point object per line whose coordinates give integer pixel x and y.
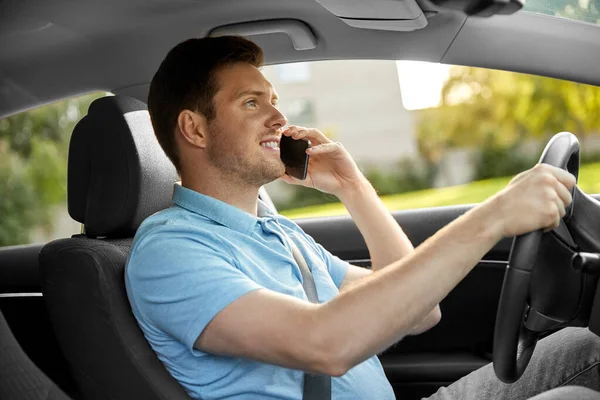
{"type": "Point", "coordinates": [514, 341]}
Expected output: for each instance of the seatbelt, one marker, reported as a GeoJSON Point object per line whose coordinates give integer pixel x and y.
{"type": "Point", "coordinates": [316, 386]}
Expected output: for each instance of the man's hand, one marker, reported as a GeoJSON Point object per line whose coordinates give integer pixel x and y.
{"type": "Point", "coordinates": [534, 199]}
{"type": "Point", "coordinates": [330, 168]}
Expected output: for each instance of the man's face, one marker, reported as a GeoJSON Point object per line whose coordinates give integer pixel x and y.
{"type": "Point", "coordinates": [246, 124]}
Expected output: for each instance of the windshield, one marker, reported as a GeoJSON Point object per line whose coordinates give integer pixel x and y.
{"type": "Point", "coordinates": [578, 10]}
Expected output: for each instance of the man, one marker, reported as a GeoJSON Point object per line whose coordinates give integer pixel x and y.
{"type": "Point", "coordinates": [216, 289]}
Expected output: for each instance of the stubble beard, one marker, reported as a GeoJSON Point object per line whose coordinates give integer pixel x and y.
{"type": "Point", "coordinates": [225, 154]}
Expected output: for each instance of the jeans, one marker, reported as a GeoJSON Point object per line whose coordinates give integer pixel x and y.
{"type": "Point", "coordinates": [567, 358]}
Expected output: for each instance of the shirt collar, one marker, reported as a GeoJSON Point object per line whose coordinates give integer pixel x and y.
{"type": "Point", "coordinates": [216, 210]}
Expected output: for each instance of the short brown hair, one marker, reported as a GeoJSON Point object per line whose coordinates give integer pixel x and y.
{"type": "Point", "coordinates": [186, 79]}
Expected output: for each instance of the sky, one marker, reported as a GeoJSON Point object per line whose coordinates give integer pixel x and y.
{"type": "Point", "coordinates": [421, 83]}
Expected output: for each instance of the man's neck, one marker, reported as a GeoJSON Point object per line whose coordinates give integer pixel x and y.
{"type": "Point", "coordinates": [230, 191]}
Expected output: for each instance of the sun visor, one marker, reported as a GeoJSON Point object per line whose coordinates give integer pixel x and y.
{"type": "Point", "coordinates": [389, 15]}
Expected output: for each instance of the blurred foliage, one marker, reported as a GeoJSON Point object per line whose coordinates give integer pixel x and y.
{"type": "Point", "coordinates": [303, 197]}
{"type": "Point", "coordinates": [482, 108]}
{"type": "Point", "coordinates": [33, 165]}
{"type": "Point", "coordinates": [493, 161]}
{"type": "Point", "coordinates": [16, 196]}
{"type": "Point", "coordinates": [470, 193]}
{"type": "Point", "coordinates": [406, 176]}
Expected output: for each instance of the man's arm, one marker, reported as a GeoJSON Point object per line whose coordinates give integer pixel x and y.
{"type": "Point", "coordinates": [382, 308]}
{"type": "Point", "coordinates": [356, 274]}
{"type": "Point", "coordinates": [333, 171]}
{"type": "Point", "coordinates": [385, 239]}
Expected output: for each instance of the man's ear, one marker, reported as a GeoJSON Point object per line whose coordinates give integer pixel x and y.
{"type": "Point", "coordinates": [193, 128]}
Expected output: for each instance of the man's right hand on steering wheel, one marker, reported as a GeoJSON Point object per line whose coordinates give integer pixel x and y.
{"type": "Point", "coordinates": [534, 199]}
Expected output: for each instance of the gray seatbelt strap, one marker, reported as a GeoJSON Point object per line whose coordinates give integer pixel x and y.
{"type": "Point", "coordinates": [308, 282]}
{"type": "Point", "coordinates": [316, 386]}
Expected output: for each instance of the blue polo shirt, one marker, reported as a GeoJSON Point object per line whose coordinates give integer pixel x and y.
{"type": "Point", "coordinates": [191, 260]}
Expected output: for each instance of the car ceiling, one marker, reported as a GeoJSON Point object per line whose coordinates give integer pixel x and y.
{"type": "Point", "coordinates": [53, 49]}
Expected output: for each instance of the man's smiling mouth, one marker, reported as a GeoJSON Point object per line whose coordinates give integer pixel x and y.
{"type": "Point", "coordinates": [271, 144]}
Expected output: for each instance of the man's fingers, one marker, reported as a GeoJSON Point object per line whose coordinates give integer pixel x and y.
{"type": "Point", "coordinates": [301, 134]}
{"type": "Point", "coordinates": [324, 148]}
{"type": "Point", "coordinates": [561, 208]}
{"type": "Point", "coordinates": [558, 212]}
{"type": "Point", "coordinates": [564, 194]}
{"type": "Point", "coordinates": [314, 135]}
{"type": "Point", "coordinates": [567, 179]}
{"type": "Point", "coordinates": [564, 177]}
{"type": "Point", "coordinates": [291, 131]}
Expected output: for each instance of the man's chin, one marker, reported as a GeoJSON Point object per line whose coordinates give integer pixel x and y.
{"type": "Point", "coordinates": [276, 170]}
{"type": "Point", "coordinates": [269, 175]}
{"type": "Point", "coordinates": [276, 175]}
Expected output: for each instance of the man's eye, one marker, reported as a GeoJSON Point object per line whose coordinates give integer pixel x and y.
{"type": "Point", "coordinates": [251, 103]}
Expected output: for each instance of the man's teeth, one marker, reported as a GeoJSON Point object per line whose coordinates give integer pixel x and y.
{"type": "Point", "coordinates": [270, 144]}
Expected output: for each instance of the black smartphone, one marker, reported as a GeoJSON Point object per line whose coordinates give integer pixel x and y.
{"type": "Point", "coordinates": [293, 154]}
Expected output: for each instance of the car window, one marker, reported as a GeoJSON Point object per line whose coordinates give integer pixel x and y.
{"type": "Point", "coordinates": [33, 172]}
{"type": "Point", "coordinates": [429, 134]}
{"type": "Point", "coordinates": [576, 10]}
{"type": "Point", "coordinates": [424, 134]}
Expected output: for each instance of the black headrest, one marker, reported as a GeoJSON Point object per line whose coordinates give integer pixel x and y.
{"type": "Point", "coordinates": [118, 174]}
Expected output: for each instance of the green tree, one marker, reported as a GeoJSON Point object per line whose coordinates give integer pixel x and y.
{"type": "Point", "coordinates": [482, 107]}
{"type": "Point", "coordinates": [33, 165]}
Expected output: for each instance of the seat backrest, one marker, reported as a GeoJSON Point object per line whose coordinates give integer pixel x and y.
{"type": "Point", "coordinates": [20, 378]}
{"type": "Point", "coordinates": [117, 176]}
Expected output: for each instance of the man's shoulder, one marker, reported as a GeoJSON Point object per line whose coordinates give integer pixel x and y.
{"type": "Point", "coordinates": [174, 218]}
{"type": "Point", "coordinates": [173, 239]}
{"type": "Point", "coordinates": [172, 226]}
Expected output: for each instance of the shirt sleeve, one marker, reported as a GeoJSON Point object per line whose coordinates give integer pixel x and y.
{"type": "Point", "coordinates": [336, 266]}
{"type": "Point", "coordinates": [179, 283]}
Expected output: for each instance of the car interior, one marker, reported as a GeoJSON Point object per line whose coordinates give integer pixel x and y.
{"type": "Point", "coordinates": [66, 327]}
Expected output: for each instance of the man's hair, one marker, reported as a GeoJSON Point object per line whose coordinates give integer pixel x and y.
{"type": "Point", "coordinates": [186, 80]}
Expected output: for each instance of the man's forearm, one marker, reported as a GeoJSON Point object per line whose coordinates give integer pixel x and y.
{"type": "Point", "coordinates": [428, 322]}
{"type": "Point", "coordinates": [385, 239]}
{"type": "Point", "coordinates": [390, 303]}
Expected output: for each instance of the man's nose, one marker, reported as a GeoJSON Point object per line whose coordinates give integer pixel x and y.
{"type": "Point", "coordinates": [278, 120]}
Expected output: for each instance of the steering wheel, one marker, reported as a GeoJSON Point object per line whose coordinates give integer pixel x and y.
{"type": "Point", "coordinates": [514, 342]}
